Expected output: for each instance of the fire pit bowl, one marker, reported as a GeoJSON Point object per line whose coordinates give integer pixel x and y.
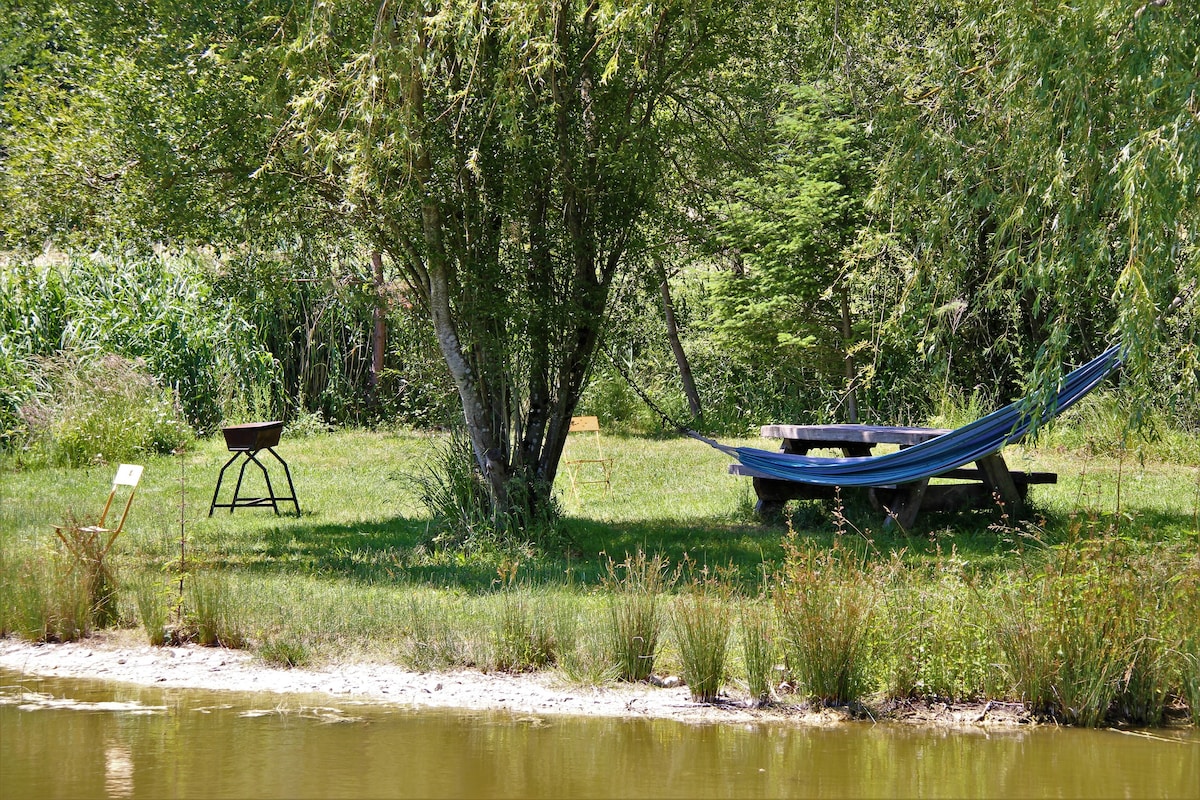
{"type": "Point", "coordinates": [252, 436]}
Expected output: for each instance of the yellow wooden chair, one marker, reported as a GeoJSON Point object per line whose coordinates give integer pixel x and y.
{"type": "Point", "coordinates": [85, 543]}
{"type": "Point", "coordinates": [601, 465]}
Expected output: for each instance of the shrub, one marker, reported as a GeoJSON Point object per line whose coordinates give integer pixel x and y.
{"type": "Point", "coordinates": [451, 487]}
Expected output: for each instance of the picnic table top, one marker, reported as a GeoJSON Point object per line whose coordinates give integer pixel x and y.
{"type": "Point", "coordinates": [855, 434]}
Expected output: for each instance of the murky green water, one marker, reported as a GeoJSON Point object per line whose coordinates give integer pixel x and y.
{"type": "Point", "coordinates": [79, 739]}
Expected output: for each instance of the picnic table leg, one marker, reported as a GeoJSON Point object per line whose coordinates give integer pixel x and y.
{"type": "Point", "coordinates": [999, 481]}
{"type": "Point", "coordinates": [908, 501]}
{"type": "Point", "coordinates": [771, 501]}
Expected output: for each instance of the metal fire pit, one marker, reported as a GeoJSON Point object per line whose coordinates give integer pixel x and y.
{"type": "Point", "coordinates": [245, 442]}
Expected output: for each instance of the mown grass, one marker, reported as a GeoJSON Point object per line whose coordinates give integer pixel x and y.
{"type": "Point", "coordinates": [1086, 613]}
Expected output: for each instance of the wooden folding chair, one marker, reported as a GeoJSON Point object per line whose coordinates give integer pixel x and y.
{"type": "Point", "coordinates": [84, 544]}
{"type": "Point", "coordinates": [574, 466]}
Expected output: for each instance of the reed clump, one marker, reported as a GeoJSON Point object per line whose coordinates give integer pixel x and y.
{"type": "Point", "coordinates": [758, 651]}
{"type": "Point", "coordinates": [531, 630]}
{"type": "Point", "coordinates": [637, 586]}
{"type": "Point", "coordinates": [826, 599]}
{"type": "Point", "coordinates": [1185, 645]}
{"type": "Point", "coordinates": [1087, 636]}
{"type": "Point", "coordinates": [153, 600]}
{"type": "Point", "coordinates": [212, 618]}
{"type": "Point", "coordinates": [43, 598]}
{"type": "Point", "coordinates": [700, 622]}
{"type": "Point", "coordinates": [432, 638]}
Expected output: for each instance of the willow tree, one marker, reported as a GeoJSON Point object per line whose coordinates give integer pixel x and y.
{"type": "Point", "coordinates": [1046, 163]}
{"type": "Point", "coordinates": [502, 155]}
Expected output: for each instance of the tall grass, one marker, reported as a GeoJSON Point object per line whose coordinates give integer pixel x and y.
{"type": "Point", "coordinates": [937, 642]}
{"type": "Point", "coordinates": [827, 600]}
{"type": "Point", "coordinates": [1184, 645]}
{"type": "Point", "coordinates": [432, 638]}
{"type": "Point", "coordinates": [358, 579]}
{"type": "Point", "coordinates": [153, 599]}
{"type": "Point", "coordinates": [43, 598]}
{"type": "Point", "coordinates": [99, 409]}
{"type": "Point", "coordinates": [758, 651]}
{"type": "Point", "coordinates": [701, 621]}
{"type": "Point", "coordinates": [636, 586]}
{"type": "Point", "coordinates": [212, 612]}
{"type": "Point", "coordinates": [531, 630]}
{"type": "Point", "coordinates": [1085, 636]}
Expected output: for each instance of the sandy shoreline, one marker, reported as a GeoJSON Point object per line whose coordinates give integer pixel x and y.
{"type": "Point", "coordinates": [121, 657]}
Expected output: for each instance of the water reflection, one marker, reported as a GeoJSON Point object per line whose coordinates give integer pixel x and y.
{"type": "Point", "coordinates": [62, 738]}
{"type": "Point", "coordinates": [118, 769]}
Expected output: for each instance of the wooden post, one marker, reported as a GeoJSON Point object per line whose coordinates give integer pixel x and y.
{"type": "Point", "coordinates": [999, 480]}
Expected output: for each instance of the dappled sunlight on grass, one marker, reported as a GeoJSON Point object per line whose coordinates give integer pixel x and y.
{"type": "Point", "coordinates": [361, 519]}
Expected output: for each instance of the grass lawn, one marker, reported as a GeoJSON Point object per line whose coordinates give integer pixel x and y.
{"type": "Point", "coordinates": [357, 574]}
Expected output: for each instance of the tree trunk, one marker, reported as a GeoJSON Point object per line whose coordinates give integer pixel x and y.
{"type": "Point", "coordinates": [848, 360]}
{"type": "Point", "coordinates": [681, 359]}
{"type": "Point", "coordinates": [379, 329]}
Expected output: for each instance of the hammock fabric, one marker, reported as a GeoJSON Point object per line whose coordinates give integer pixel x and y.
{"type": "Point", "coordinates": [971, 442]}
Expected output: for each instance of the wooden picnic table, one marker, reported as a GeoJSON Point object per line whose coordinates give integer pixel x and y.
{"type": "Point", "coordinates": [975, 487]}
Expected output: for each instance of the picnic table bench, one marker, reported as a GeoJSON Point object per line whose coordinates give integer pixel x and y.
{"type": "Point", "coordinates": [972, 487]}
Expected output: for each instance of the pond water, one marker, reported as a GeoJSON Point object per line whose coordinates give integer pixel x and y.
{"type": "Point", "coordinates": [84, 739]}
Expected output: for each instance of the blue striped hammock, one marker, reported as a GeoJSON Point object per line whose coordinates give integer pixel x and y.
{"type": "Point", "coordinates": [935, 456]}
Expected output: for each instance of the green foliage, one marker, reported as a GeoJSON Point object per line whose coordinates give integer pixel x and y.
{"type": "Point", "coordinates": [758, 651]}
{"type": "Point", "coordinates": [32, 321]}
{"type": "Point", "coordinates": [212, 617]}
{"type": "Point", "coordinates": [431, 640]}
{"type": "Point", "coordinates": [531, 630]}
{"type": "Point", "coordinates": [937, 639]}
{"type": "Point", "coordinates": [279, 651]}
{"type": "Point", "coordinates": [1101, 424]}
{"type": "Point", "coordinates": [1185, 644]}
{"type": "Point", "coordinates": [46, 595]}
{"type": "Point", "coordinates": [158, 309]}
{"type": "Point", "coordinates": [788, 230]}
{"type": "Point", "coordinates": [1087, 637]}
{"type": "Point", "coordinates": [106, 409]}
{"type": "Point", "coordinates": [309, 302]}
{"type": "Point", "coordinates": [153, 599]}
{"type": "Point", "coordinates": [161, 309]}
{"type": "Point", "coordinates": [1043, 167]}
{"type": "Point", "coordinates": [505, 166]}
{"type": "Point", "coordinates": [464, 514]}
